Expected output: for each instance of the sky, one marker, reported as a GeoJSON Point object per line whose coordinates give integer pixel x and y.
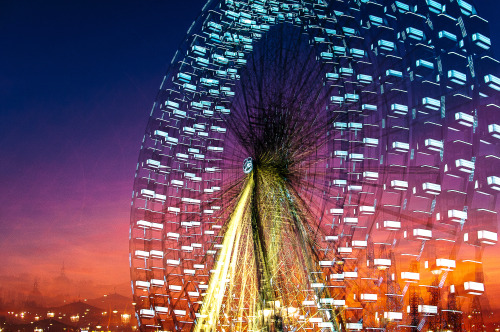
{"type": "Point", "coordinates": [77, 82]}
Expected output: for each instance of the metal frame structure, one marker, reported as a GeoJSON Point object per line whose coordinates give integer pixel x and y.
{"type": "Point", "coordinates": [369, 138]}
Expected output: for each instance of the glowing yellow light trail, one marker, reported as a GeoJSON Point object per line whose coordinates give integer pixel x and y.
{"type": "Point", "coordinates": [209, 312]}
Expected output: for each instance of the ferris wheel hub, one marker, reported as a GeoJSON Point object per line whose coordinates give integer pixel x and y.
{"type": "Point", "coordinates": [247, 165]}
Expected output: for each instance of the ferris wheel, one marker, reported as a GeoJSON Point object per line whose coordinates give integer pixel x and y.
{"type": "Point", "coordinates": [314, 165]}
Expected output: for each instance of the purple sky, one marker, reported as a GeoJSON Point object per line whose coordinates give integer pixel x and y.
{"type": "Point", "coordinates": [77, 83]}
